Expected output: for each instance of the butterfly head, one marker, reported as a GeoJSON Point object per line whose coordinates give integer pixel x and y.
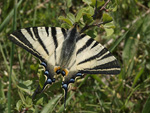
{"type": "Point", "coordinates": [62, 71]}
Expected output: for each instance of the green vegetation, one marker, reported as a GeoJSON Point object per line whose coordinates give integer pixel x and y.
{"type": "Point", "coordinates": [126, 33]}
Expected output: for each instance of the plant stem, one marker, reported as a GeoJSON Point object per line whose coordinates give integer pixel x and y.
{"type": "Point", "coordinates": [11, 59]}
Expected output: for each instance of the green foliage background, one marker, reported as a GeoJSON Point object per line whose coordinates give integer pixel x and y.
{"type": "Point", "coordinates": [127, 37]}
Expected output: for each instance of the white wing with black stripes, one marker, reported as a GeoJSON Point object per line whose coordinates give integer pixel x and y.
{"type": "Point", "coordinates": [39, 41]}
{"type": "Point", "coordinates": [68, 53]}
{"type": "Point", "coordinates": [93, 58]}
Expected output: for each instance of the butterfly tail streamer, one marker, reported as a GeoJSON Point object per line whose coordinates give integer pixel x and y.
{"type": "Point", "coordinates": [65, 87]}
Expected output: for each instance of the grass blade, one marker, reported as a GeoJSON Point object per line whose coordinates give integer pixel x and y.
{"type": "Point", "coordinates": [117, 42]}
{"type": "Point", "coordinates": [11, 59]}
{"type": "Point", "coordinates": [10, 15]}
{"type": "Point", "coordinates": [146, 108]}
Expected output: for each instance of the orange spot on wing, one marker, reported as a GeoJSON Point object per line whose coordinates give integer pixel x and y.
{"type": "Point", "coordinates": [56, 68]}
{"type": "Point", "coordinates": [66, 71]}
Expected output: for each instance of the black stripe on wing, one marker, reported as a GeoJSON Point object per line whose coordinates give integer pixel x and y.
{"type": "Point", "coordinates": [36, 33]}
{"type": "Point", "coordinates": [30, 33]}
{"type": "Point", "coordinates": [103, 51]}
{"type": "Point", "coordinates": [79, 38]}
{"type": "Point", "coordinates": [19, 39]}
{"type": "Point", "coordinates": [64, 32]}
{"type": "Point", "coordinates": [95, 44]}
{"type": "Point", "coordinates": [108, 65]}
{"type": "Point", "coordinates": [47, 31]}
{"type": "Point", "coordinates": [53, 33]}
{"type": "Point", "coordinates": [87, 44]}
{"type": "Point", "coordinates": [105, 56]}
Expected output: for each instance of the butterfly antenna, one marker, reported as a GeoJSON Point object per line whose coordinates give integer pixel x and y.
{"type": "Point", "coordinates": [65, 99]}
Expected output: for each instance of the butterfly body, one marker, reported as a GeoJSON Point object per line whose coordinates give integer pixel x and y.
{"type": "Point", "coordinates": [68, 52]}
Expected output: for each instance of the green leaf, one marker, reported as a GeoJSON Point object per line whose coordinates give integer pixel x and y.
{"type": "Point", "coordinates": [69, 3]}
{"type": "Point", "coordinates": [41, 78]}
{"type": "Point", "coordinates": [24, 88]}
{"type": "Point", "coordinates": [109, 28]}
{"type": "Point", "coordinates": [65, 25]}
{"type": "Point", "coordinates": [99, 3]}
{"type": "Point", "coordinates": [137, 77]}
{"type": "Point", "coordinates": [87, 1]}
{"type": "Point", "coordinates": [109, 25]}
{"type": "Point", "coordinates": [86, 13]}
{"type": "Point", "coordinates": [22, 97]}
{"type": "Point", "coordinates": [79, 14]}
{"type": "Point", "coordinates": [106, 17]}
{"type": "Point", "coordinates": [28, 82]}
{"type": "Point", "coordinates": [109, 31]}
{"type": "Point", "coordinates": [92, 33]}
{"type": "Point", "coordinates": [34, 67]}
{"type": "Point", "coordinates": [65, 19]}
{"type": "Point", "coordinates": [87, 18]}
{"type": "Point", "coordinates": [40, 101]}
{"type": "Point", "coordinates": [71, 17]}
{"type": "Point", "coordinates": [28, 101]}
{"type": "Point", "coordinates": [115, 8]}
{"type": "Point", "coordinates": [19, 105]}
{"type": "Point", "coordinates": [146, 108]}
{"type": "Point", "coordinates": [50, 105]}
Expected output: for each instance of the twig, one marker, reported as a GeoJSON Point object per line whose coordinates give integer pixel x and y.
{"type": "Point", "coordinates": [99, 9]}
{"type": "Point", "coordinates": [95, 12]}
{"type": "Point", "coordinates": [104, 6]}
{"type": "Point", "coordinates": [89, 26]}
{"type": "Point", "coordinates": [141, 5]}
{"type": "Point", "coordinates": [147, 12]}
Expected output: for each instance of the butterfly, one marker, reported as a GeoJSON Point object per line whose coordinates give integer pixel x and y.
{"type": "Point", "coordinates": [65, 52]}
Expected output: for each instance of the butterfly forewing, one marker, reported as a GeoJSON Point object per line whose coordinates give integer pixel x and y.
{"type": "Point", "coordinates": [93, 58]}
{"type": "Point", "coordinates": [39, 41]}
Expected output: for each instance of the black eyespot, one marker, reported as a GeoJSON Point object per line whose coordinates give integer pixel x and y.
{"type": "Point", "coordinates": [46, 73]}
{"type": "Point", "coordinates": [63, 73]}
{"type": "Point", "coordinates": [79, 74]}
{"type": "Point", "coordinates": [43, 64]}
{"type": "Point", "coordinates": [58, 71]}
{"type": "Point", "coordinates": [65, 86]}
{"type": "Point", "coordinates": [49, 81]}
{"type": "Point", "coordinates": [72, 80]}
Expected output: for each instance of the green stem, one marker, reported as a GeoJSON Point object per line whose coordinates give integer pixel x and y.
{"type": "Point", "coordinates": [11, 59]}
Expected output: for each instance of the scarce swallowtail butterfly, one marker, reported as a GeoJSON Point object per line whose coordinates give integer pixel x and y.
{"type": "Point", "coordinates": [65, 52]}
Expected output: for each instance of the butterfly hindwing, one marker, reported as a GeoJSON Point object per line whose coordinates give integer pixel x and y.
{"type": "Point", "coordinates": [39, 41]}
{"type": "Point", "coordinates": [93, 58]}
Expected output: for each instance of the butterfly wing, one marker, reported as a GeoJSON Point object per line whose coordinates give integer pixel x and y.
{"type": "Point", "coordinates": [39, 41]}
{"type": "Point", "coordinates": [93, 58]}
